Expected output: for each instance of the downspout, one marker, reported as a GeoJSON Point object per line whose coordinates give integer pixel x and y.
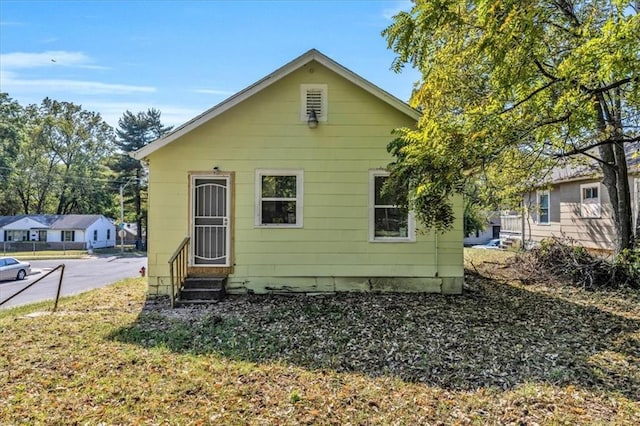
{"type": "Point", "coordinates": [435, 243]}
{"type": "Point", "coordinates": [523, 219]}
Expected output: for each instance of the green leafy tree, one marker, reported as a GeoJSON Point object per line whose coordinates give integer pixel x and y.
{"type": "Point", "coordinates": [511, 88]}
{"type": "Point", "coordinates": [78, 142]}
{"type": "Point", "coordinates": [476, 209]}
{"type": "Point", "coordinates": [12, 135]}
{"type": "Point", "coordinates": [134, 132]}
{"type": "Point", "coordinates": [54, 158]}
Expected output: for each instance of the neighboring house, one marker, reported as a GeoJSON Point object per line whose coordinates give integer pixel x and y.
{"type": "Point", "coordinates": [575, 206]}
{"type": "Point", "coordinates": [128, 233]}
{"type": "Point", "coordinates": [278, 188]}
{"type": "Point", "coordinates": [74, 231]}
{"type": "Point", "coordinates": [490, 232]}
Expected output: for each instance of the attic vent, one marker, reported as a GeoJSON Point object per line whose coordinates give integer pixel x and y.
{"type": "Point", "coordinates": [313, 97]}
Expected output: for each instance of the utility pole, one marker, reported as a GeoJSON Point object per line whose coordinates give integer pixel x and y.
{"type": "Point", "coordinates": [121, 231]}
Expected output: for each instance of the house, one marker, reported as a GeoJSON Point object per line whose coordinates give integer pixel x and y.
{"type": "Point", "coordinates": [54, 232]}
{"type": "Point", "coordinates": [574, 206]}
{"type": "Point", "coordinates": [278, 189]}
{"type": "Point", "coordinates": [490, 232]}
{"type": "Point", "coordinates": [128, 233]}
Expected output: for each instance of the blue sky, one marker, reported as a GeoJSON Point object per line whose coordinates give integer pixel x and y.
{"type": "Point", "coordinates": [181, 57]}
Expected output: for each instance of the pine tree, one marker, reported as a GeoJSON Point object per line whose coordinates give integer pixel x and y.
{"type": "Point", "coordinates": [134, 132]}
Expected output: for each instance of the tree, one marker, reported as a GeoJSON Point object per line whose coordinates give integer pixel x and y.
{"type": "Point", "coordinates": [77, 142]}
{"type": "Point", "coordinates": [512, 88]}
{"type": "Point", "coordinates": [476, 210]}
{"type": "Point", "coordinates": [134, 132]}
{"type": "Point", "coordinates": [53, 158]}
{"type": "Point", "coordinates": [11, 137]}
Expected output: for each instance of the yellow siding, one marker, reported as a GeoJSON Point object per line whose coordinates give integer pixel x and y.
{"type": "Point", "coordinates": [265, 132]}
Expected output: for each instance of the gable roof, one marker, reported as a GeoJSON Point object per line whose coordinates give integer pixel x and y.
{"type": "Point", "coordinates": [52, 221]}
{"type": "Point", "coordinates": [75, 221]}
{"type": "Point", "coordinates": [299, 62]}
{"type": "Point", "coordinates": [590, 170]}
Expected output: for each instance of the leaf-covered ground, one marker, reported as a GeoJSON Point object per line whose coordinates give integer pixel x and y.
{"type": "Point", "coordinates": [502, 353]}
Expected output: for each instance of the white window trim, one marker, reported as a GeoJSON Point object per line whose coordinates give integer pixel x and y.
{"type": "Point", "coordinates": [303, 101]}
{"type": "Point", "coordinates": [411, 222]}
{"type": "Point", "coordinates": [599, 200]}
{"type": "Point", "coordinates": [548, 194]}
{"type": "Point", "coordinates": [299, 174]}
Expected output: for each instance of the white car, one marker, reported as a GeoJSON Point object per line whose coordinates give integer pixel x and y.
{"type": "Point", "coordinates": [491, 245]}
{"type": "Point", "coordinates": [13, 269]}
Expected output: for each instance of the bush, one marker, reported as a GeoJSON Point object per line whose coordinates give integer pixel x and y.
{"type": "Point", "coordinates": [584, 269]}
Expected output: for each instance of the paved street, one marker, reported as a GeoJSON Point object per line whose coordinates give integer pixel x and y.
{"type": "Point", "coordinates": [79, 275]}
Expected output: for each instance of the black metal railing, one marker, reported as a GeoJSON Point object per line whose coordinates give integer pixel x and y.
{"type": "Point", "coordinates": [178, 268]}
{"type": "Point", "coordinates": [55, 306]}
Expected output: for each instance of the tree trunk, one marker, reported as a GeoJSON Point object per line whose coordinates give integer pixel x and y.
{"type": "Point", "coordinates": [615, 172]}
{"type": "Point", "coordinates": [616, 180]}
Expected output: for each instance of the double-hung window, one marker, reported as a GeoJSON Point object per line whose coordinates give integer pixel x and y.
{"type": "Point", "coordinates": [68, 235]}
{"type": "Point", "coordinates": [279, 198]}
{"type": "Point", "coordinates": [590, 200]}
{"type": "Point", "coordinates": [543, 207]}
{"type": "Point", "coordinates": [387, 222]}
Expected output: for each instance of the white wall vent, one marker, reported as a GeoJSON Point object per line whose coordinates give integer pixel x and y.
{"type": "Point", "coordinates": [313, 97]}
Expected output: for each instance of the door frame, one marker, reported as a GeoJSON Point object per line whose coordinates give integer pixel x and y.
{"type": "Point", "coordinates": [220, 269]}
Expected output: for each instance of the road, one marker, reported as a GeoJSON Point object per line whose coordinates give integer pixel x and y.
{"type": "Point", "coordinates": [80, 275]}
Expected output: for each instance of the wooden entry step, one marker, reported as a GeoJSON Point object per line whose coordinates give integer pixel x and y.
{"type": "Point", "coordinates": [202, 290]}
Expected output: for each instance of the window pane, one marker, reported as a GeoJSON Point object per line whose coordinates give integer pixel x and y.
{"type": "Point", "coordinates": [380, 200]}
{"type": "Point", "coordinates": [544, 215]}
{"type": "Point", "coordinates": [544, 201]}
{"type": "Point", "coordinates": [390, 222]}
{"type": "Point", "coordinates": [275, 212]}
{"type": "Point", "coordinates": [590, 193]}
{"type": "Point", "coordinates": [279, 186]}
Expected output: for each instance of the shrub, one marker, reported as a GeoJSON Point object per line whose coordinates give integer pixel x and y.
{"type": "Point", "coordinates": [575, 263]}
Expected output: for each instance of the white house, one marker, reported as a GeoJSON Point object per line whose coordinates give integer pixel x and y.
{"type": "Point", "coordinates": [74, 231]}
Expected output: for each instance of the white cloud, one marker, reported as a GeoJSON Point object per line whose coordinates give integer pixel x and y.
{"type": "Point", "coordinates": [52, 58]}
{"type": "Point", "coordinates": [11, 84]}
{"type": "Point", "coordinates": [111, 112]}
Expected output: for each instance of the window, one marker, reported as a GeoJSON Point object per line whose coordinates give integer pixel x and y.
{"type": "Point", "coordinates": [95, 235]}
{"type": "Point", "coordinates": [279, 198]}
{"type": "Point", "coordinates": [108, 234]}
{"type": "Point", "coordinates": [590, 206]}
{"type": "Point", "coordinates": [543, 207]}
{"type": "Point", "coordinates": [68, 235]}
{"type": "Point", "coordinates": [386, 220]}
{"type": "Point", "coordinates": [313, 97]}
{"type": "Point", "coordinates": [16, 235]}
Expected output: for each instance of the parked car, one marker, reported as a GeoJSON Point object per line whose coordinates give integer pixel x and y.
{"type": "Point", "coordinates": [491, 245]}
{"type": "Point", "coordinates": [13, 269]}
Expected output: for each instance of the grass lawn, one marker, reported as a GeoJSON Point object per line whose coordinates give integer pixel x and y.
{"type": "Point", "coordinates": [46, 254]}
{"type": "Point", "coordinates": [502, 353]}
{"type": "Point", "coordinates": [128, 251]}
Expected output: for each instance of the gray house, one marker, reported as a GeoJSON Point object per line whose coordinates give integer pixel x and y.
{"type": "Point", "coordinates": [574, 206]}
{"type": "Point", "coordinates": [52, 232]}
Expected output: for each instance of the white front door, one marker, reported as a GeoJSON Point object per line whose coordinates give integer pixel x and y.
{"type": "Point", "coordinates": [210, 236]}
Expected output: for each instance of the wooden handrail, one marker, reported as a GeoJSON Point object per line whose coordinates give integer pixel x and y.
{"type": "Point", "coordinates": [178, 263]}
{"type": "Point", "coordinates": [55, 306]}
